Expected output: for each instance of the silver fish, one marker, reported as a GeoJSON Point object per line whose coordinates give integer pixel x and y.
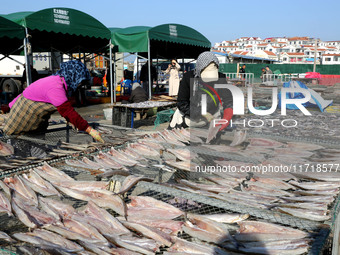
{"type": "Point", "coordinates": [103, 215]}
{"type": "Point", "coordinates": [130, 181]}
{"type": "Point", "coordinates": [102, 198]}
{"type": "Point", "coordinates": [160, 237]}
{"type": "Point", "coordinates": [183, 154]}
{"type": "Point", "coordinates": [227, 217]}
{"type": "Point", "coordinates": [5, 205]}
{"type": "Point", "coordinates": [239, 137]}
{"type": "Point", "coordinates": [16, 183]}
{"type": "Point", "coordinates": [56, 208]}
{"type": "Point", "coordinates": [6, 149]}
{"type": "Point", "coordinates": [5, 188]}
{"type": "Point", "coordinates": [143, 149]}
{"type": "Point", "coordinates": [316, 215]}
{"type": "Point", "coordinates": [7, 238]}
{"type": "Point", "coordinates": [206, 229]}
{"type": "Point", "coordinates": [208, 187]}
{"type": "Point", "coordinates": [212, 131]}
{"type": "Point", "coordinates": [142, 246]}
{"type": "Point", "coordinates": [39, 185]}
{"type": "Point", "coordinates": [181, 245]}
{"type": "Point", "coordinates": [315, 185]}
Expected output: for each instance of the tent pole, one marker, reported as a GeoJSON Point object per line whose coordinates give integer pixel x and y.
{"type": "Point", "coordinates": [114, 77]}
{"type": "Point", "coordinates": [27, 64]}
{"type": "Point", "coordinates": [111, 81]}
{"type": "Point", "coordinates": [137, 61]}
{"type": "Point", "coordinates": [149, 68]}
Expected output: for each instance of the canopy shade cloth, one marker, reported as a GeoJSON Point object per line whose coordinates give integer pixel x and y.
{"type": "Point", "coordinates": [166, 41]}
{"type": "Point", "coordinates": [63, 29]}
{"type": "Point", "coordinates": [11, 35]}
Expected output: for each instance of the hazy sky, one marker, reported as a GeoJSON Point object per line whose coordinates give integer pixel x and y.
{"type": "Point", "coordinates": [216, 19]}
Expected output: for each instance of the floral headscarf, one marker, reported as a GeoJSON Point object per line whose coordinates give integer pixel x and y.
{"type": "Point", "coordinates": [74, 72]}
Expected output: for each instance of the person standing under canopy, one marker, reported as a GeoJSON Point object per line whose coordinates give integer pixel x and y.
{"type": "Point", "coordinates": [31, 110]}
{"type": "Point", "coordinates": [173, 69]}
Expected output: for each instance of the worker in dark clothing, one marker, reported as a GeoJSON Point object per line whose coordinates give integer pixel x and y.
{"type": "Point", "coordinates": [193, 84]}
{"type": "Point", "coordinates": [34, 76]}
{"type": "Point", "coordinates": [138, 94]}
{"type": "Point", "coordinates": [144, 77]}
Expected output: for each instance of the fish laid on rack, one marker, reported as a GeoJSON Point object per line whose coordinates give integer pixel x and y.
{"type": "Point", "coordinates": [123, 159]}
{"type": "Point", "coordinates": [150, 208]}
{"type": "Point", "coordinates": [239, 137]}
{"type": "Point", "coordinates": [107, 161]}
{"type": "Point", "coordinates": [140, 245]}
{"type": "Point", "coordinates": [132, 154]}
{"type": "Point", "coordinates": [82, 164]}
{"type": "Point", "coordinates": [328, 177]}
{"type": "Point", "coordinates": [82, 185]}
{"type": "Point", "coordinates": [264, 232]}
{"type": "Point", "coordinates": [93, 164]}
{"type": "Point", "coordinates": [130, 181]}
{"type": "Point", "coordinates": [183, 165]}
{"type": "Point", "coordinates": [226, 217]}
{"type": "Point", "coordinates": [110, 223]}
{"type": "Point", "coordinates": [229, 181]}
{"type": "Point", "coordinates": [262, 190]}
{"type": "Point", "coordinates": [74, 230]}
{"type": "Point", "coordinates": [169, 138]}
{"type": "Point", "coordinates": [143, 149]}
{"type": "Point", "coordinates": [182, 246]}
{"type": "Point", "coordinates": [315, 185]}
{"type": "Point", "coordinates": [5, 205]}
{"type": "Point", "coordinates": [16, 183]}
{"type": "Point", "coordinates": [38, 184]}
{"type": "Point", "coordinates": [6, 149]}
{"type": "Point", "coordinates": [56, 208]}
{"type": "Point", "coordinates": [271, 183]}
{"type": "Point", "coordinates": [292, 247]}
{"type": "Point", "coordinates": [304, 146]}
{"type": "Point", "coordinates": [5, 188]}
{"type": "Point", "coordinates": [320, 206]}
{"type": "Point", "coordinates": [5, 237]}
{"type": "Point", "coordinates": [206, 229]}
{"type": "Point", "coordinates": [179, 136]}
{"type": "Point", "coordinates": [183, 154]}
{"type": "Point", "coordinates": [215, 188]}
{"type": "Point", "coordinates": [310, 214]}
{"type": "Point", "coordinates": [265, 143]}
{"type": "Point", "coordinates": [150, 232]}
{"type": "Point", "coordinates": [151, 143]}
{"type": "Point", "coordinates": [189, 135]}
{"type": "Point", "coordinates": [96, 248]}
{"type": "Point", "coordinates": [51, 173]}
{"type": "Point", "coordinates": [58, 240]}
{"type": "Point", "coordinates": [29, 215]}
{"type": "Point", "coordinates": [323, 192]}
{"type": "Point", "coordinates": [171, 227]}
{"type": "Point", "coordinates": [45, 245]}
{"type": "Point", "coordinates": [290, 151]}
{"type": "Point", "coordinates": [102, 198]}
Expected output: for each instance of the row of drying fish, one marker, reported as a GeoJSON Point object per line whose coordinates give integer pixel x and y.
{"type": "Point", "coordinates": [58, 226]}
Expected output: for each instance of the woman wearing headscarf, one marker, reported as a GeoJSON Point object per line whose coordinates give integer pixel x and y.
{"type": "Point", "coordinates": [196, 82]}
{"type": "Point", "coordinates": [31, 110]}
{"type": "Point", "coordinates": [173, 70]}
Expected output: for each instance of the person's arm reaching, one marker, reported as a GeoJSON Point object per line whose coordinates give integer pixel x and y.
{"type": "Point", "coordinates": [67, 111]}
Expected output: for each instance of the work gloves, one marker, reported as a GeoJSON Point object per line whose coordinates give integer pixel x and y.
{"type": "Point", "coordinates": [227, 115]}
{"type": "Point", "coordinates": [95, 134]}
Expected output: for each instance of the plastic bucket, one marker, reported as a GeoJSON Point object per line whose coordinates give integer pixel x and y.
{"type": "Point", "coordinates": [108, 113]}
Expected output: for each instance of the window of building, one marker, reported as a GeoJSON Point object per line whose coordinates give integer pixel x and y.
{"type": "Point", "coordinates": [327, 59]}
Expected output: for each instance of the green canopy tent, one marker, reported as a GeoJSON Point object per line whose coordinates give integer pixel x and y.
{"type": "Point", "coordinates": [163, 41]}
{"type": "Point", "coordinates": [63, 29]}
{"type": "Point", "coordinates": [11, 36]}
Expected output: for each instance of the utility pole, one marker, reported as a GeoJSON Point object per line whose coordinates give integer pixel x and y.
{"type": "Point", "coordinates": [315, 53]}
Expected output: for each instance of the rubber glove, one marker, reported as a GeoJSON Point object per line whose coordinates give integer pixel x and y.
{"type": "Point", "coordinates": [95, 134]}
{"type": "Point", "coordinates": [227, 115]}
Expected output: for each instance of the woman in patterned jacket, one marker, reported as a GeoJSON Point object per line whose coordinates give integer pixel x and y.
{"type": "Point", "coordinates": [31, 110]}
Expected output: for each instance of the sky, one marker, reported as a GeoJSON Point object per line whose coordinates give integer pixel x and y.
{"type": "Point", "coordinates": [217, 20]}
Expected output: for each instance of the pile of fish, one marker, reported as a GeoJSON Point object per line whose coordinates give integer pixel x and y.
{"type": "Point", "coordinates": [144, 225]}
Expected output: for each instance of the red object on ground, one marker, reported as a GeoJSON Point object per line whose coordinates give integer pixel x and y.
{"type": "Point", "coordinates": [329, 80]}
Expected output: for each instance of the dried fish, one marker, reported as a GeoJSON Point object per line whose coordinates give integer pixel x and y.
{"type": "Point", "coordinates": [315, 185]}
{"type": "Point", "coordinates": [16, 183]}
{"type": "Point", "coordinates": [239, 137]}
{"type": "Point", "coordinates": [227, 217]}
{"type": "Point", "coordinates": [183, 154]}
{"type": "Point", "coordinates": [130, 182]}
{"type": "Point", "coordinates": [183, 165]}
{"type": "Point", "coordinates": [265, 143]}
{"type": "Point", "coordinates": [143, 149]}
{"type": "Point", "coordinates": [5, 205]}
{"type": "Point", "coordinates": [39, 185]}
{"type": "Point", "coordinates": [56, 208]}
{"type": "Point", "coordinates": [208, 187]}
{"type": "Point", "coordinates": [6, 149]}
{"type": "Point", "coordinates": [316, 215]}
{"type": "Point", "coordinates": [5, 237]}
